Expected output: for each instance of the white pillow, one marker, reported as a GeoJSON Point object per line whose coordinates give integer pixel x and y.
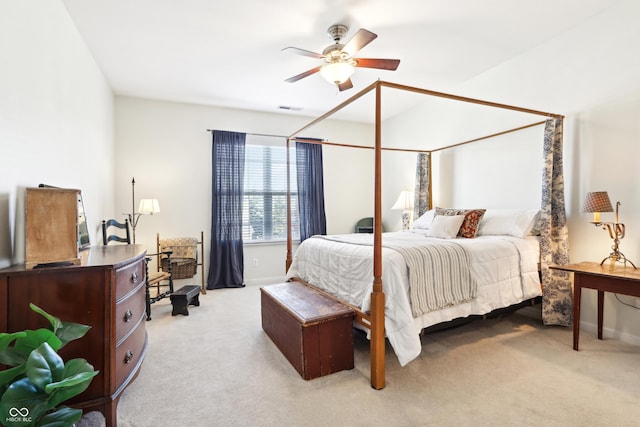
{"type": "Point", "coordinates": [509, 222]}
{"type": "Point", "coordinates": [424, 222]}
{"type": "Point", "coordinates": [445, 226]}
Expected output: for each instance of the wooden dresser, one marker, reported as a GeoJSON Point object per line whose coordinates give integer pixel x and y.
{"type": "Point", "coordinates": [107, 292]}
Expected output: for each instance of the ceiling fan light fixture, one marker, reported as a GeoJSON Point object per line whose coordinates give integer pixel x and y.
{"type": "Point", "coordinates": [339, 59]}
{"type": "Point", "coordinates": [337, 72]}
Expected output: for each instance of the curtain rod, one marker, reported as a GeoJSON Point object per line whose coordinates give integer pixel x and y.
{"type": "Point", "coordinates": [254, 134]}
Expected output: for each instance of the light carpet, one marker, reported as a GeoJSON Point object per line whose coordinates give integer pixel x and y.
{"type": "Point", "coordinates": [216, 367]}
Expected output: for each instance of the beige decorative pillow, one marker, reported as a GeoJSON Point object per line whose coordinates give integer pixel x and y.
{"type": "Point", "coordinates": [445, 226]}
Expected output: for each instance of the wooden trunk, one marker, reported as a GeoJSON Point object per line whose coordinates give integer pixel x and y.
{"type": "Point", "coordinates": [313, 331]}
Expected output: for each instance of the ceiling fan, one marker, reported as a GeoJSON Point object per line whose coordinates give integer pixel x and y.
{"type": "Point", "coordinates": [339, 58]}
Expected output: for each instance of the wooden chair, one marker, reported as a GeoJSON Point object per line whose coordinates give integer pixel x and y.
{"type": "Point", "coordinates": [156, 279]}
{"type": "Point", "coordinates": [187, 256]}
{"type": "Point", "coordinates": [117, 237]}
{"type": "Point", "coordinates": [365, 225]}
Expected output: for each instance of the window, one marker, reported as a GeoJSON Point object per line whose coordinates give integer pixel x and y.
{"type": "Point", "coordinates": [264, 215]}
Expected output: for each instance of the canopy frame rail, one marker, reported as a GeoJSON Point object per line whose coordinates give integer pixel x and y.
{"type": "Point", "coordinates": [417, 150]}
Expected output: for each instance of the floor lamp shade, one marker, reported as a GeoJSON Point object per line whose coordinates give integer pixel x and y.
{"type": "Point", "coordinates": [149, 206]}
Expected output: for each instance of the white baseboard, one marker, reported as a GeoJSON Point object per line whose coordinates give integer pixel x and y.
{"type": "Point", "coordinates": [592, 328]}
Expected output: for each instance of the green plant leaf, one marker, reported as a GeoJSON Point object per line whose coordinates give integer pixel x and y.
{"type": "Point", "coordinates": [77, 366]}
{"type": "Point", "coordinates": [78, 374]}
{"type": "Point", "coordinates": [8, 355]}
{"type": "Point", "coordinates": [12, 357]}
{"type": "Point", "coordinates": [28, 341]}
{"type": "Point", "coordinates": [44, 366]}
{"type": "Point", "coordinates": [66, 331]}
{"type": "Point", "coordinates": [8, 375]}
{"type": "Point", "coordinates": [25, 396]}
{"type": "Point", "coordinates": [33, 340]}
{"type": "Point", "coordinates": [54, 321]}
{"type": "Point", "coordinates": [62, 417]}
{"type": "Point", "coordinates": [70, 331]}
{"type": "Point", "coordinates": [6, 339]}
{"type": "Point", "coordinates": [70, 387]}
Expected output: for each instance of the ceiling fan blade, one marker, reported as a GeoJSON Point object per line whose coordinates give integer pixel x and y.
{"type": "Point", "coordinates": [303, 75]}
{"type": "Point", "coordinates": [303, 52]}
{"type": "Point", "coordinates": [345, 85]}
{"type": "Point", "coordinates": [359, 40]}
{"type": "Point", "coordinates": [383, 64]}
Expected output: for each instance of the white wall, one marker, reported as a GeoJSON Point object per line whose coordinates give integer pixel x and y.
{"type": "Point", "coordinates": [56, 123]}
{"type": "Point", "coordinates": [167, 148]}
{"type": "Point", "coordinates": [589, 75]}
{"type": "Point", "coordinates": [499, 172]}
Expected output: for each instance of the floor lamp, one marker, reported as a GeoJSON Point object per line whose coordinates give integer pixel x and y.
{"type": "Point", "coordinates": [146, 207]}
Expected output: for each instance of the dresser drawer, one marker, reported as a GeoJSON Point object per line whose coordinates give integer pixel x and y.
{"type": "Point", "coordinates": [129, 354]}
{"type": "Point", "coordinates": [129, 277]}
{"type": "Point", "coordinates": [129, 313]}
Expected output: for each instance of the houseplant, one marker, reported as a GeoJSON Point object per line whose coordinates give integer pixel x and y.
{"type": "Point", "coordinates": [37, 380]}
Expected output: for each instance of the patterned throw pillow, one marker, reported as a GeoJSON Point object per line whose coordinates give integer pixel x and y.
{"type": "Point", "coordinates": [471, 221]}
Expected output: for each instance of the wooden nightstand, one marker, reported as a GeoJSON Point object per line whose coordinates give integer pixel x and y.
{"type": "Point", "coordinates": [621, 280]}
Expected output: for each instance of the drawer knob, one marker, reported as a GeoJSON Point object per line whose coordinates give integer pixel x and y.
{"type": "Point", "coordinates": [128, 357]}
{"type": "Point", "coordinates": [134, 277]}
{"type": "Point", "coordinates": [128, 316]}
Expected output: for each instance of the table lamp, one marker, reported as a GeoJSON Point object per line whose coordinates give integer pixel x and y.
{"type": "Point", "coordinates": [597, 202]}
{"type": "Point", "coordinates": [405, 204]}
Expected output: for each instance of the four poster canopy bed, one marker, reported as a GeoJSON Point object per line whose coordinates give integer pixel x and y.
{"type": "Point", "coordinates": [452, 264]}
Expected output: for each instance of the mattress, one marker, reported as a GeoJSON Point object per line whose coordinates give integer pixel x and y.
{"type": "Point", "coordinates": [504, 267]}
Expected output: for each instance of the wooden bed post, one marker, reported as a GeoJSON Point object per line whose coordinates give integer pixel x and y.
{"type": "Point", "coordinates": [377, 296]}
{"type": "Point", "coordinates": [289, 258]}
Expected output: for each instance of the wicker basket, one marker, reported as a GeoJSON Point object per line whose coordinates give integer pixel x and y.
{"type": "Point", "coordinates": [181, 268]}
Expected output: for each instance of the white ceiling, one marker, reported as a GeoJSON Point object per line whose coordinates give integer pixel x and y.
{"type": "Point", "coordinates": [228, 53]}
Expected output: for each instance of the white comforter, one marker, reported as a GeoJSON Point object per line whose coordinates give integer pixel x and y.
{"type": "Point", "coordinates": [505, 267]}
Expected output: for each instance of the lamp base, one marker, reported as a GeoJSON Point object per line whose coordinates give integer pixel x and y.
{"type": "Point", "coordinates": [616, 232]}
{"type": "Point", "coordinates": [618, 257]}
{"type": "Point", "coordinates": [406, 217]}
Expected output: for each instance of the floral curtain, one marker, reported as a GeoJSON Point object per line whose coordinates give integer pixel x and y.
{"type": "Point", "coordinates": [421, 197]}
{"type": "Point", "coordinates": [557, 298]}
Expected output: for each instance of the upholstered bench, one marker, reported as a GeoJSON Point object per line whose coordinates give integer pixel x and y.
{"type": "Point", "coordinates": [311, 329]}
{"type": "Point", "coordinates": [184, 297]}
